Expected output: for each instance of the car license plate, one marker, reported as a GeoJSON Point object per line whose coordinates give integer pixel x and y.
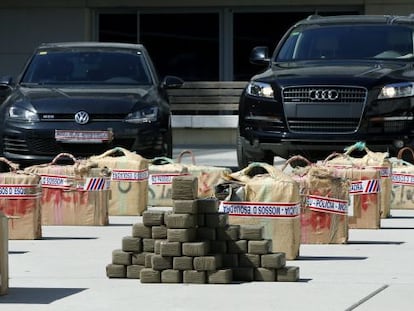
{"type": "Point", "coordinates": [67, 136]}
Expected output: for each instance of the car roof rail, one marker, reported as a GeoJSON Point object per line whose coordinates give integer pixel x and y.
{"type": "Point", "coordinates": [313, 16]}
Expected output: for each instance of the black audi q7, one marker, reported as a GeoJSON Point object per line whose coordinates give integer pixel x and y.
{"type": "Point", "coordinates": [84, 98]}
{"type": "Point", "coordinates": [331, 81]}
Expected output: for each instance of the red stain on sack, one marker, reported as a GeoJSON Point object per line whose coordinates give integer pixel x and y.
{"type": "Point", "coordinates": [369, 201]}
{"type": "Point", "coordinates": [316, 220]}
{"type": "Point", "coordinates": [60, 195]}
{"type": "Point", "coordinates": [17, 207]}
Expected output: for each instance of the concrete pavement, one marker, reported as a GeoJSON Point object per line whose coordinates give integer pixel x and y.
{"type": "Point", "coordinates": [65, 270]}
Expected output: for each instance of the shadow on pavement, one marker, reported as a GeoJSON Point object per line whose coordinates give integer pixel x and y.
{"type": "Point", "coordinates": [67, 238]}
{"type": "Point", "coordinates": [17, 252]}
{"type": "Point", "coordinates": [375, 242]}
{"type": "Point", "coordinates": [32, 295]}
{"type": "Point", "coordinates": [321, 258]}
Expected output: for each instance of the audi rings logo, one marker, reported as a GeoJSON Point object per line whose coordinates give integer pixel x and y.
{"type": "Point", "coordinates": [82, 117]}
{"type": "Point", "coordinates": [323, 94]}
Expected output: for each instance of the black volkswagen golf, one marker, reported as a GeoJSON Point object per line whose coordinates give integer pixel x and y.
{"type": "Point", "coordinates": [84, 98]}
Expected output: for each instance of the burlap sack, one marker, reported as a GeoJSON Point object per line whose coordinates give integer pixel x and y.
{"type": "Point", "coordinates": [208, 176]}
{"type": "Point", "coordinates": [402, 176]}
{"type": "Point", "coordinates": [270, 198]}
{"type": "Point", "coordinates": [129, 181]}
{"type": "Point", "coordinates": [162, 170]}
{"type": "Point", "coordinates": [376, 160]}
{"type": "Point", "coordinates": [364, 201]}
{"type": "Point", "coordinates": [20, 201]}
{"type": "Point", "coordinates": [380, 161]}
{"type": "Point", "coordinates": [324, 213]}
{"type": "Point", "coordinates": [4, 255]}
{"type": "Point", "coordinates": [73, 194]}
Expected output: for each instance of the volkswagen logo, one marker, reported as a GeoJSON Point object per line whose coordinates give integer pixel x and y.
{"type": "Point", "coordinates": [323, 94]}
{"type": "Point", "coordinates": [82, 117]}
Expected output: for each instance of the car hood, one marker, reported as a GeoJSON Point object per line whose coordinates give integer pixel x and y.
{"type": "Point", "coordinates": [363, 73]}
{"type": "Point", "coordinates": [96, 100]}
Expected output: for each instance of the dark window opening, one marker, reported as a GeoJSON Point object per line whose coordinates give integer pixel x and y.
{"type": "Point", "coordinates": [118, 28]}
{"type": "Point", "coordinates": [185, 45]}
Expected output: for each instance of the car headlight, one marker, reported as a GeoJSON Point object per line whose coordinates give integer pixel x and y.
{"type": "Point", "coordinates": [397, 90]}
{"type": "Point", "coordinates": [21, 114]}
{"type": "Point", "coordinates": [260, 89]}
{"type": "Point", "coordinates": [145, 115]}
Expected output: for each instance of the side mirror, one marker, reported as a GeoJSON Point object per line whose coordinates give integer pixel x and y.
{"type": "Point", "coordinates": [6, 80]}
{"type": "Point", "coordinates": [260, 55]}
{"type": "Point", "coordinates": [171, 82]}
{"type": "Point", "coordinates": [6, 86]}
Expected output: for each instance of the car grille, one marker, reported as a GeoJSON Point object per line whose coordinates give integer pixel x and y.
{"type": "Point", "coordinates": [71, 117]}
{"type": "Point", "coordinates": [323, 125]}
{"type": "Point", "coordinates": [49, 147]}
{"type": "Point", "coordinates": [331, 97]}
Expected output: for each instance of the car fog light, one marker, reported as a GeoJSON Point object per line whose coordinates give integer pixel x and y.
{"type": "Point", "coordinates": [398, 144]}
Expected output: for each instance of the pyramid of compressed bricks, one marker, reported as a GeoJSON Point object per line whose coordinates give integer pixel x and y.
{"type": "Point", "coordinates": [194, 243]}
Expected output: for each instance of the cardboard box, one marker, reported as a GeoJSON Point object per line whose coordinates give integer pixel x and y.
{"type": "Point", "coordinates": [380, 162]}
{"type": "Point", "coordinates": [20, 202]}
{"type": "Point", "coordinates": [324, 214]}
{"type": "Point", "coordinates": [371, 160]}
{"type": "Point", "coordinates": [402, 178]}
{"type": "Point", "coordinates": [365, 200]}
{"type": "Point", "coordinates": [73, 194]}
{"type": "Point", "coordinates": [129, 181]}
{"type": "Point", "coordinates": [271, 200]}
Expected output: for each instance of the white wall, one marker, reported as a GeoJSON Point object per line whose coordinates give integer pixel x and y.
{"type": "Point", "coordinates": [21, 30]}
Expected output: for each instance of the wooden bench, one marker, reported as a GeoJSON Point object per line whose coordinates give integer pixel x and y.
{"type": "Point", "coordinates": [206, 104]}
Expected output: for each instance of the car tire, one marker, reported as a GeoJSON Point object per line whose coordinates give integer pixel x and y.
{"type": "Point", "coordinates": [244, 160]}
{"type": "Point", "coordinates": [167, 144]}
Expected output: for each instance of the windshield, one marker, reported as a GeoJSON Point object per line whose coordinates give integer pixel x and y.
{"type": "Point", "coordinates": [87, 67]}
{"type": "Point", "coordinates": [348, 42]}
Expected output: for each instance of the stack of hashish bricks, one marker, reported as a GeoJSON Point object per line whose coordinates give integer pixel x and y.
{"type": "Point", "coordinates": [194, 243]}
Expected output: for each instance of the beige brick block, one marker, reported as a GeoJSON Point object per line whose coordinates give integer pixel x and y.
{"type": "Point", "coordinates": [287, 274]}
{"type": "Point", "coordinates": [275, 260]}
{"type": "Point", "coordinates": [251, 232]}
{"type": "Point", "coordinates": [208, 205]}
{"type": "Point", "coordinates": [181, 235]}
{"type": "Point", "coordinates": [159, 262]}
{"type": "Point", "coordinates": [223, 276]}
{"type": "Point", "coordinates": [119, 257]}
{"type": "Point", "coordinates": [259, 247]}
{"type": "Point", "coordinates": [195, 248]}
{"type": "Point", "coordinates": [159, 232]}
{"type": "Point", "coordinates": [153, 218]}
{"type": "Point", "coordinates": [131, 244]}
{"type": "Point", "coordinates": [208, 263]}
{"type": "Point", "coordinates": [115, 271]}
{"type": "Point", "coordinates": [134, 271]}
{"type": "Point", "coordinates": [148, 275]}
{"type": "Point", "coordinates": [171, 276]}
{"type": "Point", "coordinates": [194, 277]}
{"type": "Point", "coordinates": [139, 230]}
{"type": "Point", "coordinates": [183, 263]}
{"type": "Point", "coordinates": [185, 207]}
{"type": "Point", "coordinates": [237, 247]}
{"type": "Point", "coordinates": [172, 249]}
{"type": "Point", "coordinates": [264, 274]}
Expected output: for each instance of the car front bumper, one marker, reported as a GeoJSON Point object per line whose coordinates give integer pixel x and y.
{"type": "Point", "coordinates": [36, 142]}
